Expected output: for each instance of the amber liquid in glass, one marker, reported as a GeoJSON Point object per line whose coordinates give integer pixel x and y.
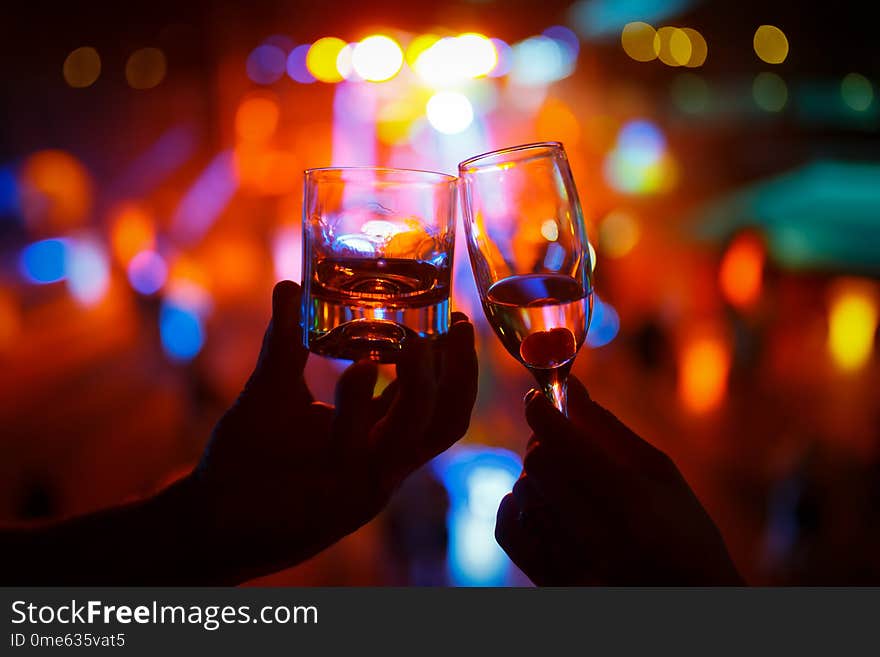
{"type": "Point", "coordinates": [366, 308]}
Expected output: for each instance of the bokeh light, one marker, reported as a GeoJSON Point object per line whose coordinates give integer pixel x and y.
{"type": "Point", "coordinates": [345, 64]}
{"type": "Point", "coordinates": [770, 92]}
{"type": "Point", "coordinates": [82, 67]}
{"type": "Point", "coordinates": [619, 233]}
{"type": "Point", "coordinates": [565, 37]}
{"type": "Point", "coordinates": [88, 270]}
{"type": "Point", "coordinates": [690, 93]}
{"type": "Point", "coordinates": [699, 48]}
{"type": "Point", "coordinates": [45, 261]}
{"type": "Point", "coordinates": [852, 323]}
{"type": "Point", "coordinates": [504, 55]}
{"type": "Point", "coordinates": [742, 269]}
{"type": "Point", "coordinates": [556, 121]}
{"type": "Point", "coordinates": [145, 68]}
{"type": "Point", "coordinates": [56, 191]}
{"type": "Point", "coordinates": [287, 253]}
{"type": "Point", "coordinates": [449, 112]}
{"type": "Point", "coordinates": [419, 45]}
{"type": "Point", "coordinates": [857, 92]}
{"type": "Point", "coordinates": [540, 60]}
{"type": "Point", "coordinates": [771, 44]}
{"type": "Point", "coordinates": [296, 65]}
{"type": "Point", "coordinates": [321, 59]}
{"type": "Point", "coordinates": [377, 58]}
{"type": "Point", "coordinates": [604, 325]}
{"type": "Point", "coordinates": [703, 367]}
{"type": "Point", "coordinates": [638, 41]}
{"type": "Point", "coordinates": [266, 64]}
{"type": "Point", "coordinates": [476, 478]}
{"type": "Point", "coordinates": [132, 230]}
{"type": "Point", "coordinates": [478, 54]}
{"type": "Point", "coordinates": [673, 46]}
{"type": "Point", "coordinates": [257, 118]}
{"type": "Point", "coordinates": [181, 331]}
{"type": "Point", "coordinates": [147, 272]}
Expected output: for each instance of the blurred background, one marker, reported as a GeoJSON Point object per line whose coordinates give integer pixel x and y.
{"type": "Point", "coordinates": [728, 160]}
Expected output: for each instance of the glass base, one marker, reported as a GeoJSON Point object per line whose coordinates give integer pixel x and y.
{"type": "Point", "coordinates": [356, 332]}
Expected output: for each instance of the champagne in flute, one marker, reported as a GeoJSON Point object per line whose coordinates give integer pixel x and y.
{"type": "Point", "coordinates": [542, 321]}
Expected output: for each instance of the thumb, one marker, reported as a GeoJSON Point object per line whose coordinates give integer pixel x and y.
{"type": "Point", "coordinates": [283, 356]}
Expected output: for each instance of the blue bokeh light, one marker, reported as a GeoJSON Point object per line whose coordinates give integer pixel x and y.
{"type": "Point", "coordinates": [604, 325]}
{"type": "Point", "coordinates": [266, 64]}
{"type": "Point", "coordinates": [9, 198]}
{"type": "Point", "coordinates": [296, 65]}
{"type": "Point", "coordinates": [567, 38]}
{"type": "Point", "coordinates": [505, 58]}
{"type": "Point", "coordinates": [181, 332]}
{"type": "Point", "coordinates": [45, 261]}
{"type": "Point", "coordinates": [476, 478]}
{"type": "Point", "coordinates": [88, 271]}
{"type": "Point", "coordinates": [641, 142]}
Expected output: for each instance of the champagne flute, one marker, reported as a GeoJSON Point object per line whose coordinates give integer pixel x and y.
{"type": "Point", "coordinates": [530, 257]}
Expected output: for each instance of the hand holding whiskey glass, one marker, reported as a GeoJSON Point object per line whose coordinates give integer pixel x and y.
{"type": "Point", "coordinates": [530, 256]}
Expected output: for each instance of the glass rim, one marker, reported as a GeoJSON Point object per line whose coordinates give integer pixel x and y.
{"type": "Point", "coordinates": [472, 164]}
{"type": "Point", "coordinates": [405, 175]}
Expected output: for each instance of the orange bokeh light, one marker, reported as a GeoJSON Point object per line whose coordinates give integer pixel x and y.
{"type": "Point", "coordinates": [131, 231]}
{"type": "Point", "coordinates": [234, 264]}
{"type": "Point", "coordinates": [742, 271]}
{"type": "Point", "coordinates": [703, 366]}
{"type": "Point", "coordinates": [56, 191]}
{"type": "Point", "coordinates": [257, 118]}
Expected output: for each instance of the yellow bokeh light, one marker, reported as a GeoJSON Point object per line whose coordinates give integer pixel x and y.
{"type": "Point", "coordinates": [419, 45]}
{"type": "Point", "coordinates": [321, 59]}
{"type": "Point", "coordinates": [703, 364]}
{"type": "Point", "coordinates": [145, 68]}
{"type": "Point", "coordinates": [377, 58]}
{"type": "Point", "coordinates": [852, 323]}
{"type": "Point", "coordinates": [257, 118]}
{"type": "Point", "coordinates": [82, 67]}
{"type": "Point", "coordinates": [637, 39]}
{"type": "Point", "coordinates": [619, 232]}
{"type": "Point", "coordinates": [699, 48]}
{"type": "Point", "coordinates": [770, 44]}
{"type": "Point", "coordinates": [673, 46]}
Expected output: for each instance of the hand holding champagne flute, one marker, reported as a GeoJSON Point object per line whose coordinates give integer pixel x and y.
{"type": "Point", "coordinates": [530, 256]}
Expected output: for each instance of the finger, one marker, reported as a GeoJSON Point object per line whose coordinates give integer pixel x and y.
{"type": "Point", "coordinates": [283, 356]}
{"type": "Point", "coordinates": [525, 548]}
{"type": "Point", "coordinates": [400, 433]}
{"type": "Point", "coordinates": [561, 435]}
{"type": "Point", "coordinates": [457, 389]}
{"type": "Point", "coordinates": [354, 396]}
